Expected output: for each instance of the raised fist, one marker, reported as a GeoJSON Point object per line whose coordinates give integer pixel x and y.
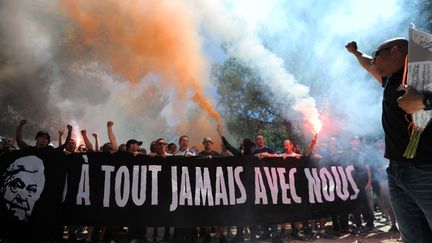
{"type": "Point", "coordinates": [110, 124]}
{"type": "Point", "coordinates": [22, 123]}
{"type": "Point", "coordinates": [351, 46]}
{"type": "Point", "coordinates": [61, 132]}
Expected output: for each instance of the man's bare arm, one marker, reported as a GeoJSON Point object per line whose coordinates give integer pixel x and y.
{"type": "Point", "coordinates": [95, 135]}
{"type": "Point", "coordinates": [87, 142]}
{"type": "Point", "coordinates": [68, 136]}
{"type": "Point", "coordinates": [111, 136]}
{"type": "Point", "coordinates": [18, 135]}
{"type": "Point", "coordinates": [61, 134]}
{"type": "Point", "coordinates": [310, 147]}
{"type": "Point", "coordinates": [364, 60]}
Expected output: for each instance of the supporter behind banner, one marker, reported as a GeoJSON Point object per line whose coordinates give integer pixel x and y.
{"type": "Point", "coordinates": [122, 189]}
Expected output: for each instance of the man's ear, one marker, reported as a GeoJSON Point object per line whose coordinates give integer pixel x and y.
{"type": "Point", "coordinates": [396, 51]}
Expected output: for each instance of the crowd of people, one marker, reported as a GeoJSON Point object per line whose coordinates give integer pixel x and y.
{"type": "Point", "coordinates": [409, 179]}
{"type": "Point", "coordinates": [367, 157]}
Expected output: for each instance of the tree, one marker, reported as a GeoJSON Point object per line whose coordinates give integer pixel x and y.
{"type": "Point", "coordinates": [246, 108]}
{"type": "Point", "coordinates": [423, 18]}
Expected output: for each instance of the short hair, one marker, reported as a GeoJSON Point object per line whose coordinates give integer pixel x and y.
{"type": "Point", "coordinates": [43, 134]}
{"type": "Point", "coordinates": [399, 41]}
{"type": "Point", "coordinates": [183, 136]}
{"type": "Point", "coordinates": [359, 138]}
{"type": "Point", "coordinates": [107, 147]}
{"type": "Point", "coordinates": [207, 139]}
{"type": "Point", "coordinates": [152, 146]}
{"type": "Point", "coordinates": [259, 134]}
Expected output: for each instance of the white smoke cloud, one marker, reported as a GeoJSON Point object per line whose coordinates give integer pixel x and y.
{"type": "Point", "coordinates": [298, 49]}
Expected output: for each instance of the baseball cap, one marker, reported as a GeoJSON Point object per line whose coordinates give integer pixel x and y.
{"type": "Point", "coordinates": [43, 134]}
{"type": "Point", "coordinates": [133, 141]}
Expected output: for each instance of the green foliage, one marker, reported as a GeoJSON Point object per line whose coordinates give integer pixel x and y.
{"type": "Point", "coordinates": [246, 106]}
{"type": "Point", "coordinates": [423, 19]}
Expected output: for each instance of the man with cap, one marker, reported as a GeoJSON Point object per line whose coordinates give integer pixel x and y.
{"type": "Point", "coordinates": [208, 148]}
{"type": "Point", "coordinates": [135, 233]}
{"type": "Point", "coordinates": [42, 139]}
{"type": "Point", "coordinates": [133, 146]}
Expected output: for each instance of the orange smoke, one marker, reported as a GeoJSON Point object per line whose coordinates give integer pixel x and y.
{"type": "Point", "coordinates": [207, 105]}
{"type": "Point", "coordinates": [135, 38]}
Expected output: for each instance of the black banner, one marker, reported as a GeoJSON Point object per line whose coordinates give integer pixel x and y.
{"type": "Point", "coordinates": [125, 190]}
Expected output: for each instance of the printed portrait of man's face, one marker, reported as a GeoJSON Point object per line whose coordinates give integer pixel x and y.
{"type": "Point", "coordinates": [24, 181]}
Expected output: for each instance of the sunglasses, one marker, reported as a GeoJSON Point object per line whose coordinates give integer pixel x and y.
{"type": "Point", "coordinates": [377, 52]}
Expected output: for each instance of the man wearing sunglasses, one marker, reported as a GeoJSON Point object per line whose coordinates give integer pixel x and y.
{"type": "Point", "coordinates": [410, 180]}
{"type": "Point", "coordinates": [161, 148]}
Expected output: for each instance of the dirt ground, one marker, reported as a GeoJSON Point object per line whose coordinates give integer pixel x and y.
{"type": "Point", "coordinates": [380, 235]}
{"type": "Point", "coordinates": [383, 236]}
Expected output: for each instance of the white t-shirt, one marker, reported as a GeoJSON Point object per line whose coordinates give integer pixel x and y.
{"type": "Point", "coordinates": [184, 153]}
{"type": "Point", "coordinates": [293, 154]}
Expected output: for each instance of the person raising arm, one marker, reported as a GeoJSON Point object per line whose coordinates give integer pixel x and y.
{"type": "Point", "coordinates": [111, 136]}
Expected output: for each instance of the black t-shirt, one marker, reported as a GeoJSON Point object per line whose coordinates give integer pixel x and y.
{"type": "Point", "coordinates": [396, 125]}
{"type": "Point", "coordinates": [212, 153]}
{"type": "Point", "coordinates": [331, 158]}
{"type": "Point", "coordinates": [360, 161]}
{"type": "Point", "coordinates": [264, 150]}
{"type": "Point", "coordinates": [34, 149]}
